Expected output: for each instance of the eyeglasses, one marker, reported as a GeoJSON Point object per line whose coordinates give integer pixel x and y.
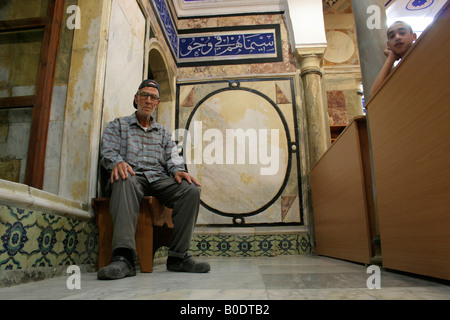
{"type": "Point", "coordinates": [152, 96]}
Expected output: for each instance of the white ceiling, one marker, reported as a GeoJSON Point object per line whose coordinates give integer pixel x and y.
{"type": "Point", "coordinates": [198, 8]}
{"type": "Point", "coordinates": [418, 13]}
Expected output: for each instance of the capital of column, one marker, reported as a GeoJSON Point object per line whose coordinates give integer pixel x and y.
{"type": "Point", "coordinates": [311, 61]}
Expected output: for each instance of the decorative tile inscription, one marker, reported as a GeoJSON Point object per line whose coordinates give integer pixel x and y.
{"type": "Point", "coordinates": [167, 23]}
{"type": "Point", "coordinates": [234, 45]}
{"type": "Point", "coordinates": [221, 45]}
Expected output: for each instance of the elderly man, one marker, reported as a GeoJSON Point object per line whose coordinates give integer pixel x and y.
{"type": "Point", "coordinates": [139, 154]}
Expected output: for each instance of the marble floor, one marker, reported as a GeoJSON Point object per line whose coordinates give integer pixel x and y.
{"type": "Point", "coordinates": [253, 278]}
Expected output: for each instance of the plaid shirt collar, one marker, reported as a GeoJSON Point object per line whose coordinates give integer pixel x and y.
{"type": "Point", "coordinates": [133, 120]}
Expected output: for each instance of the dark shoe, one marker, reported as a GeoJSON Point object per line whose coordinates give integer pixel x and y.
{"type": "Point", "coordinates": [120, 267]}
{"type": "Point", "coordinates": [187, 264]}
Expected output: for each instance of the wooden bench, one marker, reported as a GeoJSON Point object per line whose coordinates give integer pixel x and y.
{"type": "Point", "coordinates": [154, 230]}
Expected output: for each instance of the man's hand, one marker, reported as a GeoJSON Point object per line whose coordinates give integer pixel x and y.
{"type": "Point", "coordinates": [385, 70]}
{"type": "Point", "coordinates": [121, 169]}
{"type": "Point", "coordinates": [180, 175]}
{"type": "Point", "coordinates": [391, 55]}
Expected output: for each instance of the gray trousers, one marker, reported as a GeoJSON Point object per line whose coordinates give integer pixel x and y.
{"type": "Point", "coordinates": [183, 198]}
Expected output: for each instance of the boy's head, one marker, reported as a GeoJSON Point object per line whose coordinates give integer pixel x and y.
{"type": "Point", "coordinates": [400, 37]}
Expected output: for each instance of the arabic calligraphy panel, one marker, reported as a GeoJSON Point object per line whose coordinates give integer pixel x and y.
{"type": "Point", "coordinates": [222, 45]}
{"type": "Point", "coordinates": [228, 45]}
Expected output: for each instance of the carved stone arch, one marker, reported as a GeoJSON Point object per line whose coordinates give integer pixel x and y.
{"type": "Point", "coordinates": [159, 69]}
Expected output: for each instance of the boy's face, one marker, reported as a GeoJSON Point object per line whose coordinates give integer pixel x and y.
{"type": "Point", "coordinates": [400, 39]}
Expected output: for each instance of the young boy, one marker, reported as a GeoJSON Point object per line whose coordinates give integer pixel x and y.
{"type": "Point", "coordinates": [400, 38]}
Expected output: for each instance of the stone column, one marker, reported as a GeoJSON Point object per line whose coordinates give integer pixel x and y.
{"type": "Point", "coordinates": [370, 21]}
{"type": "Point", "coordinates": [315, 105]}
{"type": "Point", "coordinates": [306, 27]}
{"type": "Point", "coordinates": [371, 43]}
{"type": "Point", "coordinates": [354, 100]}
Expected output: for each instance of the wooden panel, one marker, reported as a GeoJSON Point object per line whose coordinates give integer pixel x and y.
{"type": "Point", "coordinates": [149, 236]}
{"type": "Point", "coordinates": [335, 131]}
{"type": "Point", "coordinates": [34, 175]}
{"type": "Point", "coordinates": [22, 24]}
{"type": "Point", "coordinates": [17, 102]}
{"type": "Point", "coordinates": [104, 221]}
{"type": "Point", "coordinates": [338, 187]}
{"type": "Point", "coordinates": [409, 123]}
{"type": "Point", "coordinates": [144, 236]}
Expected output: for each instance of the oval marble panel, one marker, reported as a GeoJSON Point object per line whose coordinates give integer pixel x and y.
{"type": "Point", "coordinates": [238, 150]}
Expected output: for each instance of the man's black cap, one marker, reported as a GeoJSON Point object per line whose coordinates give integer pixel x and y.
{"type": "Point", "coordinates": [148, 83]}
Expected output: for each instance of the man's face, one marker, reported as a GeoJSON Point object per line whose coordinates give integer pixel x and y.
{"type": "Point", "coordinates": [147, 99]}
{"type": "Point", "coordinates": [400, 38]}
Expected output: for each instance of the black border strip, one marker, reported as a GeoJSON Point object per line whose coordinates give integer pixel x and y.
{"type": "Point", "coordinates": [232, 15]}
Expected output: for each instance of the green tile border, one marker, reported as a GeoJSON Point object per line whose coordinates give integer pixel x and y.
{"type": "Point", "coordinates": [251, 245]}
{"type": "Point", "coordinates": [31, 238]}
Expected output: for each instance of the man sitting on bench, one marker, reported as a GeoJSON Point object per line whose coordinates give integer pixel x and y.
{"type": "Point", "coordinates": [142, 159]}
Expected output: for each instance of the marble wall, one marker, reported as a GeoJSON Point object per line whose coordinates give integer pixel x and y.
{"type": "Point", "coordinates": [288, 63]}
{"type": "Point", "coordinates": [240, 141]}
{"type": "Point", "coordinates": [57, 116]}
{"type": "Point", "coordinates": [125, 56]}
{"type": "Point", "coordinates": [342, 72]}
{"type": "Point", "coordinates": [214, 97]}
{"type": "Point", "coordinates": [203, 100]}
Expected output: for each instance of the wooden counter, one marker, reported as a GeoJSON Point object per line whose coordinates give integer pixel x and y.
{"type": "Point", "coordinates": [409, 120]}
{"type": "Point", "coordinates": [341, 188]}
